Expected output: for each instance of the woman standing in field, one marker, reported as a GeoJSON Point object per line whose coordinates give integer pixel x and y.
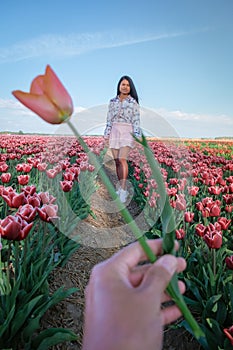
{"type": "Point", "coordinates": [123, 120]}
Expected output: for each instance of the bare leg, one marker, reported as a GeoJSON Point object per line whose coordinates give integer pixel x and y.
{"type": "Point", "coordinates": [123, 155]}
{"type": "Point", "coordinates": [115, 153]}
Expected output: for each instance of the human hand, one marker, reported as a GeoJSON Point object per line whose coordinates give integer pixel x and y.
{"type": "Point", "coordinates": [124, 300]}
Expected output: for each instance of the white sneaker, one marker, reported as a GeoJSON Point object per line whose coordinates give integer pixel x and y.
{"type": "Point", "coordinates": [118, 191]}
{"type": "Point", "coordinates": [123, 195]}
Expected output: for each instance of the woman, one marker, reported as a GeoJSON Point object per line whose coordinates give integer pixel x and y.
{"type": "Point", "coordinates": [123, 120]}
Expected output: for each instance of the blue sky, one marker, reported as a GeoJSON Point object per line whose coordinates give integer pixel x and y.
{"type": "Point", "coordinates": [178, 52]}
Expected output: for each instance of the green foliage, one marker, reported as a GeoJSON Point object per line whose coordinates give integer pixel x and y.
{"type": "Point", "coordinates": [25, 269]}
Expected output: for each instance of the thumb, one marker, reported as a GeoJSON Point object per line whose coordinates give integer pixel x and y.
{"type": "Point", "coordinates": [160, 273]}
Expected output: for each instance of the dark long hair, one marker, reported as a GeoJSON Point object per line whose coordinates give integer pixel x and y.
{"type": "Point", "coordinates": [133, 91]}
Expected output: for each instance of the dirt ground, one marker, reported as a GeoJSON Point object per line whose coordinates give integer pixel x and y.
{"type": "Point", "coordinates": [101, 236]}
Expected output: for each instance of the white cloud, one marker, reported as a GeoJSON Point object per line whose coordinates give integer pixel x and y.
{"type": "Point", "coordinates": [77, 44]}
{"type": "Point", "coordinates": [199, 125]}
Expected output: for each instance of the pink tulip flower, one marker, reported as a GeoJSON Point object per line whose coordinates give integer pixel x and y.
{"type": "Point", "coordinates": [5, 177]}
{"type": "Point", "coordinates": [229, 333]}
{"type": "Point", "coordinates": [3, 167]}
{"type": "Point", "coordinates": [229, 262]}
{"type": "Point", "coordinates": [200, 230]}
{"type": "Point", "coordinates": [66, 185]}
{"type": "Point", "coordinates": [180, 234]}
{"type": "Point", "coordinates": [23, 179]}
{"type": "Point", "coordinates": [47, 97]}
{"type": "Point", "coordinates": [14, 228]}
{"type": "Point", "coordinates": [48, 212]}
{"type": "Point", "coordinates": [188, 216]}
{"type": "Point", "coordinates": [12, 198]}
{"type": "Point", "coordinates": [213, 239]}
{"type": "Point", "coordinates": [27, 212]}
{"type": "Point", "coordinates": [224, 222]}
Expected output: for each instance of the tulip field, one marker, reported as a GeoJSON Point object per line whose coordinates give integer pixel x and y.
{"type": "Point", "coordinates": [43, 197]}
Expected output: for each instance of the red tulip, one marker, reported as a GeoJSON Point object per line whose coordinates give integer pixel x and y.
{"type": "Point", "coordinates": [14, 228]}
{"type": "Point", "coordinates": [13, 199]}
{"type": "Point", "coordinates": [48, 212]}
{"type": "Point", "coordinates": [200, 229]}
{"type": "Point", "coordinates": [69, 176]}
{"type": "Point", "coordinates": [42, 166]}
{"type": "Point", "coordinates": [213, 239]}
{"type": "Point", "coordinates": [29, 190]}
{"type": "Point", "coordinates": [214, 190]}
{"type": "Point", "coordinates": [229, 333]}
{"type": "Point", "coordinates": [66, 186]}
{"type": "Point", "coordinates": [3, 167]}
{"type": "Point", "coordinates": [48, 98]}
{"type": "Point", "coordinates": [46, 198]}
{"type": "Point", "coordinates": [25, 167]}
{"type": "Point", "coordinates": [5, 177]}
{"type": "Point", "coordinates": [228, 198]}
{"type": "Point", "coordinates": [229, 262]}
{"type": "Point", "coordinates": [229, 208]}
{"type": "Point", "coordinates": [34, 200]}
{"type": "Point", "coordinates": [224, 222]}
{"type": "Point", "coordinates": [180, 234]}
{"type": "Point", "coordinates": [23, 179]}
{"type": "Point", "coordinates": [215, 210]}
{"type": "Point", "coordinates": [180, 202]}
{"type": "Point", "coordinates": [172, 191]}
{"type": "Point", "coordinates": [205, 212]}
{"type": "Point", "coordinates": [188, 216]}
{"type": "Point", "coordinates": [27, 212]}
{"type": "Point", "coordinates": [51, 173]}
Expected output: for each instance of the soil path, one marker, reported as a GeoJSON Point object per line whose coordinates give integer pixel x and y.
{"type": "Point", "coordinates": [101, 236]}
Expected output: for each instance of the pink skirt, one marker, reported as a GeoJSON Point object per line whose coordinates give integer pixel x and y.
{"type": "Point", "coordinates": [121, 135]}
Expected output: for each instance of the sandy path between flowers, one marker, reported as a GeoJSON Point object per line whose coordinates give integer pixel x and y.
{"type": "Point", "coordinates": [101, 236]}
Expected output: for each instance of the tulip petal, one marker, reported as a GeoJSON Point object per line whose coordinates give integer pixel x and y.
{"type": "Point", "coordinates": [37, 85]}
{"type": "Point", "coordinates": [41, 105]}
{"type": "Point", "coordinates": [56, 92]}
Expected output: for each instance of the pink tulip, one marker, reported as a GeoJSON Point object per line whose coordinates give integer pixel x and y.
{"type": "Point", "coordinates": [23, 179]}
{"type": "Point", "coordinates": [215, 210]}
{"type": "Point", "coordinates": [200, 230]}
{"type": "Point", "coordinates": [46, 198]}
{"type": "Point", "coordinates": [27, 212]}
{"type": "Point", "coordinates": [48, 212]}
{"type": "Point", "coordinates": [5, 177]}
{"type": "Point", "coordinates": [3, 167]}
{"type": "Point", "coordinates": [213, 239]}
{"type": "Point", "coordinates": [229, 333]}
{"type": "Point", "coordinates": [12, 198]}
{"type": "Point", "coordinates": [42, 166]}
{"type": "Point", "coordinates": [180, 202]}
{"type": "Point", "coordinates": [229, 262]}
{"type": "Point", "coordinates": [224, 222]}
{"type": "Point", "coordinates": [188, 216]}
{"type": "Point", "coordinates": [180, 234]}
{"type": "Point", "coordinates": [66, 185]}
{"type": "Point", "coordinates": [14, 228]}
{"type": "Point", "coordinates": [229, 208]}
{"type": "Point", "coordinates": [29, 190]}
{"type": "Point", "coordinates": [47, 97]}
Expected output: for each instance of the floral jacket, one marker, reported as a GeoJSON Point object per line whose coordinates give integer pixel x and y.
{"type": "Point", "coordinates": [126, 111]}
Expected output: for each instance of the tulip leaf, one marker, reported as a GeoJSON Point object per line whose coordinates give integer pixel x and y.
{"type": "Point", "coordinates": [22, 315]}
{"type": "Point", "coordinates": [52, 336]}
